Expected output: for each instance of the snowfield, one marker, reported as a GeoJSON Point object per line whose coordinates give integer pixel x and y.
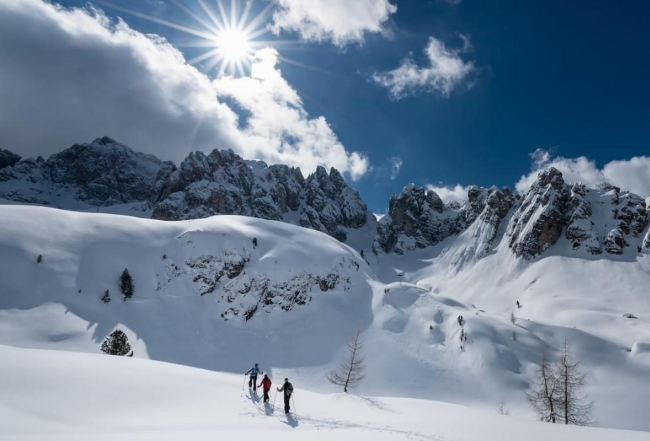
{"type": "Point", "coordinates": [53, 395]}
{"type": "Point", "coordinates": [222, 293]}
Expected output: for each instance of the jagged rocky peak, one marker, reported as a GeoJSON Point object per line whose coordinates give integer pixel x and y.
{"type": "Point", "coordinates": [417, 218]}
{"type": "Point", "coordinates": [537, 224]}
{"type": "Point", "coordinates": [8, 158]}
{"type": "Point", "coordinates": [224, 183]}
{"type": "Point", "coordinates": [597, 220]}
{"type": "Point", "coordinates": [101, 173]}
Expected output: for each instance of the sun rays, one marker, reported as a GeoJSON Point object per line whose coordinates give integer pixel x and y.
{"type": "Point", "coordinates": [227, 33]}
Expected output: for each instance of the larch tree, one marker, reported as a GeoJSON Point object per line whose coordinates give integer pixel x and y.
{"type": "Point", "coordinates": [352, 370]}
{"type": "Point", "coordinates": [573, 404]}
{"type": "Point", "coordinates": [544, 397]}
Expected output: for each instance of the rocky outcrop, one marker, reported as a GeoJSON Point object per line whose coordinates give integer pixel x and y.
{"type": "Point", "coordinates": [101, 173]}
{"type": "Point", "coordinates": [417, 218]}
{"type": "Point", "coordinates": [580, 230]}
{"type": "Point", "coordinates": [224, 183]}
{"type": "Point", "coordinates": [537, 224]}
{"type": "Point", "coordinates": [550, 204]}
{"type": "Point", "coordinates": [8, 159]}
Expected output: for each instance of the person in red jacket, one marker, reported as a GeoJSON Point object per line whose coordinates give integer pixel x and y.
{"type": "Point", "coordinates": [266, 387]}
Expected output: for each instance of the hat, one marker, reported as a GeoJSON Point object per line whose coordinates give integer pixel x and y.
{"type": "Point", "coordinates": [286, 379]}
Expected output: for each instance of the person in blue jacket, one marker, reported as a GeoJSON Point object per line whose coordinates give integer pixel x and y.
{"type": "Point", "coordinates": [252, 380]}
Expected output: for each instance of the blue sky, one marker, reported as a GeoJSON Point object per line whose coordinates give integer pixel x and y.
{"type": "Point", "coordinates": [569, 78]}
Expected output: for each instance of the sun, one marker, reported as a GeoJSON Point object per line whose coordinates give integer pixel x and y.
{"type": "Point", "coordinates": [229, 35]}
{"type": "Point", "coordinates": [233, 45]}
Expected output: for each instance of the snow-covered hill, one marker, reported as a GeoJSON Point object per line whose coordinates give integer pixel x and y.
{"type": "Point", "coordinates": [52, 395]}
{"type": "Point", "coordinates": [223, 292]}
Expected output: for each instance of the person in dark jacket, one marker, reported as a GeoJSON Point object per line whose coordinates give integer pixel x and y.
{"type": "Point", "coordinates": [252, 380]}
{"type": "Point", "coordinates": [266, 387]}
{"type": "Point", "coordinates": [287, 388]}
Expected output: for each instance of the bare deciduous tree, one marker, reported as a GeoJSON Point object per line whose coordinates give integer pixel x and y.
{"type": "Point", "coordinates": [351, 371]}
{"type": "Point", "coordinates": [543, 398]}
{"type": "Point", "coordinates": [574, 409]}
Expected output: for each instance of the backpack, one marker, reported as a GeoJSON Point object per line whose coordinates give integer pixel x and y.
{"type": "Point", "coordinates": [288, 388]}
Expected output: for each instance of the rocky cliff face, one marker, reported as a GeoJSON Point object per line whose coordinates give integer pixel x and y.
{"type": "Point", "coordinates": [105, 173]}
{"type": "Point", "coordinates": [101, 173]}
{"type": "Point", "coordinates": [596, 220]}
{"type": "Point", "coordinates": [8, 159]}
{"type": "Point", "coordinates": [417, 218]}
{"type": "Point", "coordinates": [224, 183]}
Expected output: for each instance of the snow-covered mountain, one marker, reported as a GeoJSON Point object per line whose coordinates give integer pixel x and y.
{"type": "Point", "coordinates": [223, 292]}
{"type": "Point", "coordinates": [106, 176]}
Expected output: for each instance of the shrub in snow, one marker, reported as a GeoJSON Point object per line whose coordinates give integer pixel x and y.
{"type": "Point", "coordinates": [513, 319]}
{"type": "Point", "coordinates": [39, 259]}
{"type": "Point", "coordinates": [126, 284]}
{"type": "Point", "coordinates": [255, 242]}
{"type": "Point", "coordinates": [630, 316]}
{"type": "Point", "coordinates": [117, 344]}
{"type": "Point", "coordinates": [106, 297]}
{"type": "Point", "coordinates": [164, 256]}
{"type": "Point", "coordinates": [503, 408]}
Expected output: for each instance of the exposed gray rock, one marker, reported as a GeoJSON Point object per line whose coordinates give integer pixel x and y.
{"type": "Point", "coordinates": [417, 218]}
{"type": "Point", "coordinates": [537, 224]}
{"type": "Point", "coordinates": [101, 173]}
{"type": "Point", "coordinates": [8, 159]}
{"type": "Point", "coordinates": [224, 183]}
{"type": "Point", "coordinates": [580, 230]}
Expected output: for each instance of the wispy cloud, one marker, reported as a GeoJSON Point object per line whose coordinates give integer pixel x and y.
{"type": "Point", "coordinates": [395, 167]}
{"type": "Point", "coordinates": [446, 71]}
{"type": "Point", "coordinates": [338, 21]}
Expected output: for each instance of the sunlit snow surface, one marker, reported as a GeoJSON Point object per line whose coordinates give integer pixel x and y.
{"type": "Point", "coordinates": [411, 332]}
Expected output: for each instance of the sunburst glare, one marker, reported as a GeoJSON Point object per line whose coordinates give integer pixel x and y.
{"type": "Point", "coordinates": [230, 34]}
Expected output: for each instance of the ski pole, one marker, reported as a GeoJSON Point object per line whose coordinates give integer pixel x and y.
{"type": "Point", "coordinates": [295, 410]}
{"type": "Point", "coordinates": [274, 397]}
{"type": "Point", "coordinates": [244, 383]}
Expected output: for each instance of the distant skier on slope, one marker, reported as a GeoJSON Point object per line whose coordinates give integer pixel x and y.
{"type": "Point", "coordinates": [252, 380]}
{"type": "Point", "coordinates": [288, 390]}
{"type": "Point", "coordinates": [266, 387]}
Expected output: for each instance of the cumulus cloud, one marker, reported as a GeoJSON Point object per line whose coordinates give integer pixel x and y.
{"type": "Point", "coordinates": [289, 136]}
{"type": "Point", "coordinates": [448, 193]}
{"type": "Point", "coordinates": [628, 174]}
{"type": "Point", "coordinates": [70, 75]}
{"type": "Point", "coordinates": [446, 71]}
{"type": "Point", "coordinates": [340, 21]}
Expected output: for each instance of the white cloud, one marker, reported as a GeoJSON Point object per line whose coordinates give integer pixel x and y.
{"type": "Point", "coordinates": [631, 174]}
{"type": "Point", "coordinates": [448, 193]}
{"type": "Point", "coordinates": [446, 71]}
{"type": "Point", "coordinates": [69, 75]}
{"type": "Point", "coordinates": [395, 167]}
{"type": "Point", "coordinates": [339, 21]}
{"type": "Point", "coordinates": [279, 125]}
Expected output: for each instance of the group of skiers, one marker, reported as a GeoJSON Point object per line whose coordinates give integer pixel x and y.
{"type": "Point", "coordinates": [287, 387]}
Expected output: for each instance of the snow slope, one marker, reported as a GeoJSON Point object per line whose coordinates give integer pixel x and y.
{"type": "Point", "coordinates": [53, 395]}
{"type": "Point", "coordinates": [210, 296]}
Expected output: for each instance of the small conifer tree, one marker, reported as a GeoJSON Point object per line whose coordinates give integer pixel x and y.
{"type": "Point", "coordinates": [117, 344]}
{"type": "Point", "coordinates": [39, 259]}
{"type": "Point", "coordinates": [126, 284]}
{"type": "Point", "coordinates": [106, 297]}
